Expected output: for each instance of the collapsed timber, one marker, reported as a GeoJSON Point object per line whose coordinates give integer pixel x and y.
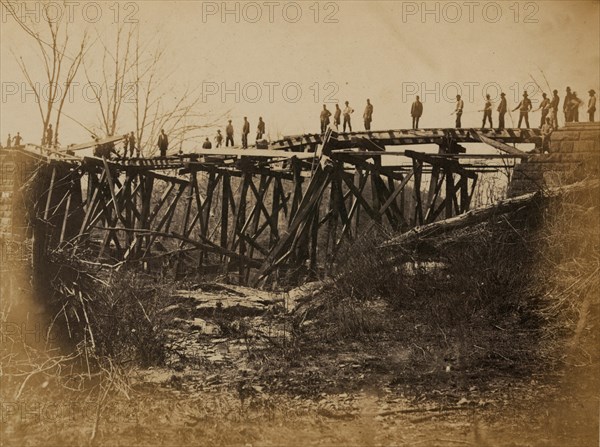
{"type": "Point", "coordinates": [259, 216]}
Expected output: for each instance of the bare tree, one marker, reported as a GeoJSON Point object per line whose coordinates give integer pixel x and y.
{"type": "Point", "coordinates": [111, 90]}
{"type": "Point", "coordinates": [60, 67]}
{"type": "Point", "coordinates": [133, 87]}
{"type": "Point", "coordinates": [180, 119]}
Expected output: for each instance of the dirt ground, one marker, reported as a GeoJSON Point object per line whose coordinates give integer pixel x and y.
{"type": "Point", "coordinates": [235, 376]}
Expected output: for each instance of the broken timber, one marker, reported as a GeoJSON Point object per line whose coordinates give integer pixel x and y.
{"type": "Point", "coordinates": [259, 214]}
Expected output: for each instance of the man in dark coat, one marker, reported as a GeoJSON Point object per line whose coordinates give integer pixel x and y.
{"type": "Point", "coordinates": [163, 143]}
{"type": "Point", "coordinates": [368, 115]}
{"type": "Point", "coordinates": [416, 110]}
{"type": "Point", "coordinates": [567, 106]}
{"type": "Point", "coordinates": [229, 134]}
{"type": "Point", "coordinates": [260, 129]}
{"type": "Point", "coordinates": [502, 108]}
{"type": "Point", "coordinates": [245, 132]}
{"type": "Point", "coordinates": [554, 109]}
{"type": "Point", "coordinates": [324, 117]}
{"type": "Point", "coordinates": [131, 143]}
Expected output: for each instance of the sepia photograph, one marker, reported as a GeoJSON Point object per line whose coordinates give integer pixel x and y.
{"type": "Point", "coordinates": [352, 223]}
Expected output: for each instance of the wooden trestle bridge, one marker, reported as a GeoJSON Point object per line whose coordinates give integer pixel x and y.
{"type": "Point", "coordinates": [254, 212]}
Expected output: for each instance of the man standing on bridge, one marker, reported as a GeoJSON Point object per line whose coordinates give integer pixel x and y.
{"type": "Point", "coordinates": [416, 110]}
{"type": "Point", "coordinates": [460, 105]}
{"type": "Point", "coordinates": [207, 144]}
{"type": "Point", "coordinates": [163, 143]}
{"type": "Point", "coordinates": [131, 142]}
{"type": "Point", "coordinates": [487, 112]}
{"type": "Point", "coordinates": [337, 117]}
{"type": "Point", "coordinates": [574, 107]}
{"type": "Point", "coordinates": [501, 111]}
{"type": "Point", "coordinates": [554, 109]}
{"type": "Point", "coordinates": [260, 129]}
{"type": "Point", "coordinates": [347, 112]}
{"type": "Point", "coordinates": [229, 134]}
{"type": "Point", "coordinates": [545, 108]}
{"type": "Point", "coordinates": [524, 108]}
{"type": "Point", "coordinates": [324, 118]}
{"type": "Point", "coordinates": [219, 138]}
{"type": "Point", "coordinates": [591, 105]}
{"type": "Point", "coordinates": [245, 132]}
{"type": "Point", "coordinates": [17, 139]}
{"type": "Point", "coordinates": [567, 106]}
{"type": "Point", "coordinates": [8, 142]}
{"type": "Point", "coordinates": [49, 135]}
{"type": "Point", "coordinates": [368, 115]}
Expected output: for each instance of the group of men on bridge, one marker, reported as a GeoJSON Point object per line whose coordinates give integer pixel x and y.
{"type": "Point", "coordinates": [229, 134]}
{"type": "Point", "coordinates": [549, 109]}
{"type": "Point", "coordinates": [548, 121]}
{"type": "Point", "coordinates": [347, 115]}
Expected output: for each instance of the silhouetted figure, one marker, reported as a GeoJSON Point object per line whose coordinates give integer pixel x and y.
{"type": "Point", "coordinates": [591, 110]}
{"type": "Point", "coordinates": [131, 142]}
{"type": "Point", "coordinates": [416, 110]}
{"type": "Point", "coordinates": [524, 108]}
{"type": "Point", "coordinates": [567, 106]}
{"type": "Point", "coordinates": [460, 105]}
{"type": "Point", "coordinates": [574, 108]}
{"type": "Point", "coordinates": [207, 144]}
{"type": "Point", "coordinates": [547, 130]}
{"type": "Point", "coordinates": [260, 129]}
{"type": "Point", "coordinates": [487, 112]}
{"type": "Point", "coordinates": [9, 142]}
{"type": "Point", "coordinates": [324, 118]}
{"type": "Point", "coordinates": [545, 108]}
{"type": "Point", "coordinates": [337, 117]}
{"type": "Point", "coordinates": [229, 134]}
{"type": "Point", "coordinates": [49, 135]}
{"type": "Point", "coordinates": [554, 109]}
{"type": "Point", "coordinates": [245, 132]}
{"type": "Point", "coordinates": [17, 140]}
{"type": "Point", "coordinates": [219, 138]}
{"type": "Point", "coordinates": [125, 145]}
{"type": "Point", "coordinates": [347, 112]}
{"type": "Point", "coordinates": [368, 115]}
{"type": "Point", "coordinates": [163, 143]}
{"type": "Point", "coordinates": [104, 150]}
{"type": "Point", "coordinates": [502, 108]}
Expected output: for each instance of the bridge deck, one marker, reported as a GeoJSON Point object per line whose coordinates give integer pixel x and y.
{"type": "Point", "coordinates": [303, 147]}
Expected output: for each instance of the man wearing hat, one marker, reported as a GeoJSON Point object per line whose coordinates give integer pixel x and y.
{"type": "Point", "coordinates": [524, 108]}
{"type": "Point", "coordinates": [591, 105]}
{"type": "Point", "coordinates": [501, 111]}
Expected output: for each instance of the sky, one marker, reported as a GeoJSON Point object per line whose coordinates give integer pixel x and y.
{"type": "Point", "coordinates": [284, 60]}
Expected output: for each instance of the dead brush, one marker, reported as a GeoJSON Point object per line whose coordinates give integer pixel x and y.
{"type": "Point", "coordinates": [108, 314]}
{"type": "Point", "coordinates": [571, 259]}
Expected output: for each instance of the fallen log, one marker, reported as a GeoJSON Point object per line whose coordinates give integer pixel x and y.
{"type": "Point", "coordinates": [479, 215]}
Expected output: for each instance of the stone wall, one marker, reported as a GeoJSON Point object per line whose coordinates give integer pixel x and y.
{"type": "Point", "coordinates": [575, 155]}
{"type": "Point", "coordinates": [15, 170]}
